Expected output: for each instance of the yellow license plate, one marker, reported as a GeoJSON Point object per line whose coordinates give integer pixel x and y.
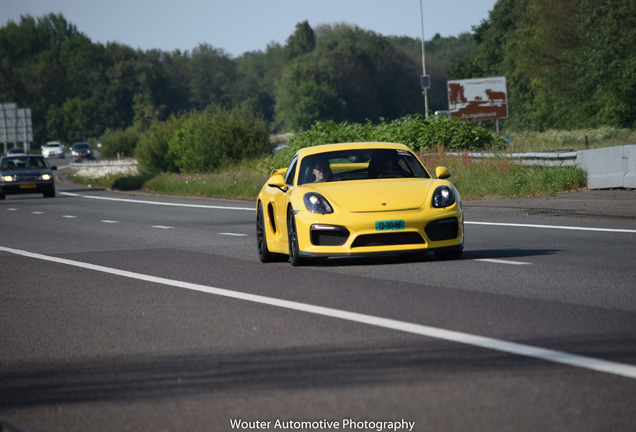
{"type": "Point", "coordinates": [28, 186]}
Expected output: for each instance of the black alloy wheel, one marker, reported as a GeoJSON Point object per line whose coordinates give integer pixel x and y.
{"type": "Point", "coordinates": [292, 237]}
{"type": "Point", "coordinates": [264, 255]}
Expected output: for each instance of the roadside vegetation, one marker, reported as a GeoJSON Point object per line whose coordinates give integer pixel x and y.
{"type": "Point", "coordinates": [434, 140]}
{"type": "Point", "coordinates": [200, 121]}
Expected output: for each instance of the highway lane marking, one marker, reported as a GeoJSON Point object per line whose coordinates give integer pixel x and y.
{"type": "Point", "coordinates": [590, 363]}
{"type": "Point", "coordinates": [69, 216]}
{"type": "Point", "coordinates": [161, 226]}
{"type": "Point", "coordinates": [109, 221]}
{"type": "Point", "coordinates": [517, 225]}
{"type": "Point", "coordinates": [37, 212]}
{"type": "Point", "coordinates": [157, 202]}
{"type": "Point", "coordinates": [562, 227]}
{"type": "Point", "coordinates": [498, 261]}
{"type": "Point", "coordinates": [233, 234]}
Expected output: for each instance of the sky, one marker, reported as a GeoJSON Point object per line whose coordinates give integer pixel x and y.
{"type": "Point", "coordinates": [239, 26]}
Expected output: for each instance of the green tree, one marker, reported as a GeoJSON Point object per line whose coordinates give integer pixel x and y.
{"type": "Point", "coordinates": [352, 75]}
{"type": "Point", "coordinates": [257, 75]}
{"type": "Point", "coordinates": [212, 77]}
{"type": "Point", "coordinates": [301, 42]}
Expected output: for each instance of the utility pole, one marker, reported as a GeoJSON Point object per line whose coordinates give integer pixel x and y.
{"type": "Point", "coordinates": [426, 84]}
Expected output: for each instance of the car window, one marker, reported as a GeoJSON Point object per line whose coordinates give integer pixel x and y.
{"type": "Point", "coordinates": [291, 172]}
{"type": "Point", "coordinates": [23, 163]}
{"type": "Point", "coordinates": [361, 164]}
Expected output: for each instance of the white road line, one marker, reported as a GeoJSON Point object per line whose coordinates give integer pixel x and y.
{"type": "Point", "coordinates": [12, 209]}
{"type": "Point", "coordinates": [561, 227]}
{"type": "Point", "coordinates": [37, 212]}
{"type": "Point", "coordinates": [161, 227]}
{"type": "Point", "coordinates": [498, 261]}
{"type": "Point", "coordinates": [157, 203]}
{"type": "Point", "coordinates": [598, 365]}
{"type": "Point", "coordinates": [109, 221]}
{"type": "Point", "coordinates": [631, 231]}
{"type": "Point", "coordinates": [233, 234]}
{"type": "Point", "coordinates": [69, 216]}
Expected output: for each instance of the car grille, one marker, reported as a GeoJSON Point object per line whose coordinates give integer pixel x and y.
{"type": "Point", "coordinates": [388, 239]}
{"type": "Point", "coordinates": [26, 178]}
{"type": "Point", "coordinates": [443, 229]}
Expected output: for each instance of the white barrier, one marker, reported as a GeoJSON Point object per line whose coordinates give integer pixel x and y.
{"type": "Point", "coordinates": [607, 168]}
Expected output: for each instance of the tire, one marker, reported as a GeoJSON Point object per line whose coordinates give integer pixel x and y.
{"type": "Point", "coordinates": [292, 238]}
{"type": "Point", "coordinates": [264, 255]}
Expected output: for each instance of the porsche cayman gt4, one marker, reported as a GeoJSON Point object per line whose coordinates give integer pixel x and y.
{"type": "Point", "coordinates": [357, 199]}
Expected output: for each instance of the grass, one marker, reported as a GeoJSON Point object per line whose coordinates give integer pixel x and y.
{"type": "Point", "coordinates": [502, 177]}
{"type": "Point", "coordinates": [243, 181]}
{"type": "Point", "coordinates": [475, 179]}
{"type": "Point", "coordinates": [575, 140]}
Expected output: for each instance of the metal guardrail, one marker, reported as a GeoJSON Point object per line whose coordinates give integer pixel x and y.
{"type": "Point", "coordinates": [102, 164]}
{"type": "Point", "coordinates": [554, 158]}
{"type": "Point", "coordinates": [606, 168]}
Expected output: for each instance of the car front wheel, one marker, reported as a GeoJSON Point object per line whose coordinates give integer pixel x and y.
{"type": "Point", "coordinates": [292, 236]}
{"type": "Point", "coordinates": [264, 255]}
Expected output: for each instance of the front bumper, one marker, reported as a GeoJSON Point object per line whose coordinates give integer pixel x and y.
{"type": "Point", "coordinates": [421, 231]}
{"type": "Point", "coordinates": [11, 188]}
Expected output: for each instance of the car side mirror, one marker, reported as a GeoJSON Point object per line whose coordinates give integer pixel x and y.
{"type": "Point", "coordinates": [277, 181]}
{"type": "Point", "coordinates": [442, 172]}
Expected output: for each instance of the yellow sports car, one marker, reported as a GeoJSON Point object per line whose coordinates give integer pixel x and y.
{"type": "Point", "coordinates": [357, 199]}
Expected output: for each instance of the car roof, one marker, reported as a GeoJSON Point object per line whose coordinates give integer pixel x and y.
{"type": "Point", "coordinates": [349, 146]}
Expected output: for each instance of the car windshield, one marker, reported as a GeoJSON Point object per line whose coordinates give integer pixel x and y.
{"type": "Point", "coordinates": [80, 146]}
{"type": "Point", "coordinates": [23, 163]}
{"type": "Point", "coordinates": [360, 164]}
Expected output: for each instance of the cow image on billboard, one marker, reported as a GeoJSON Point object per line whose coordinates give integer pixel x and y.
{"type": "Point", "coordinates": [478, 98]}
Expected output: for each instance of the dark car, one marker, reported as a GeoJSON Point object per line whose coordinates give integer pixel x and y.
{"type": "Point", "coordinates": [16, 151]}
{"type": "Point", "coordinates": [26, 174]}
{"type": "Point", "coordinates": [82, 150]}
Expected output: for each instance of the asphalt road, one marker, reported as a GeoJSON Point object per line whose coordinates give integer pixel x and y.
{"type": "Point", "coordinates": [145, 313]}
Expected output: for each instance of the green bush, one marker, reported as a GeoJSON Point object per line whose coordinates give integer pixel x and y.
{"type": "Point", "coordinates": [418, 133]}
{"type": "Point", "coordinates": [217, 137]}
{"type": "Point", "coordinates": [119, 143]}
{"type": "Point", "coordinates": [152, 150]}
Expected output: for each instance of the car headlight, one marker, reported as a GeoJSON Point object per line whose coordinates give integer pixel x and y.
{"type": "Point", "coordinates": [7, 178]}
{"type": "Point", "coordinates": [317, 203]}
{"type": "Point", "coordinates": [45, 177]}
{"type": "Point", "coordinates": [443, 197]}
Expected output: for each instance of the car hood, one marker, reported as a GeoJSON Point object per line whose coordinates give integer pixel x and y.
{"type": "Point", "coordinates": [377, 195]}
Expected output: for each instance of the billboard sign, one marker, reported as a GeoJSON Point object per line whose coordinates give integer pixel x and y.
{"type": "Point", "coordinates": [478, 98]}
{"type": "Point", "coordinates": [24, 127]}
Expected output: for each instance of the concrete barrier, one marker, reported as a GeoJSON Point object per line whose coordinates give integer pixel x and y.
{"type": "Point", "coordinates": [607, 168]}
